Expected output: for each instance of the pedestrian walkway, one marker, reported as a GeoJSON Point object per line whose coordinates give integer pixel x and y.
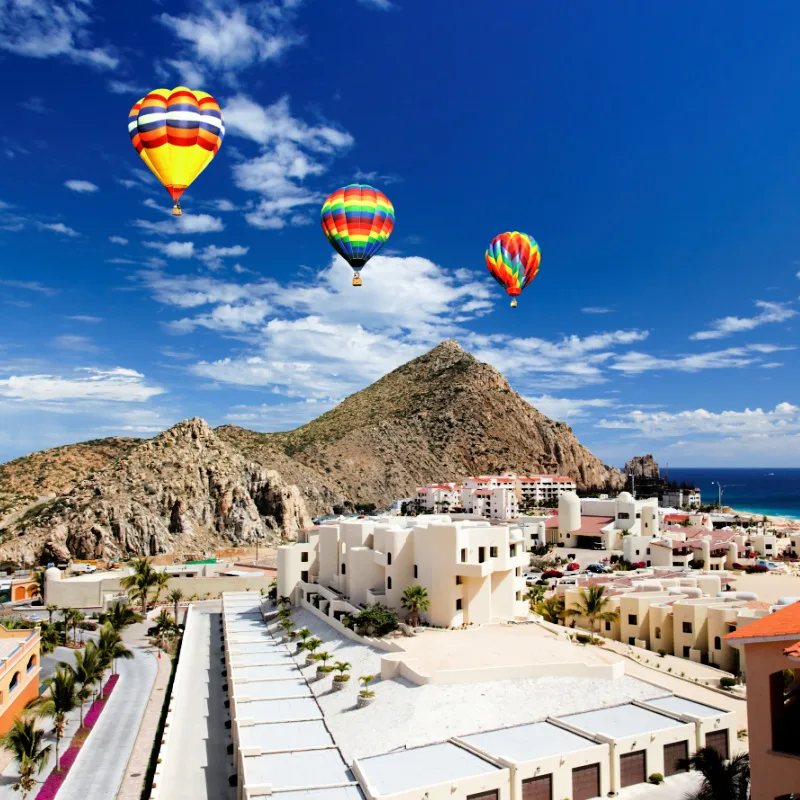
{"type": "Point", "coordinates": [100, 766]}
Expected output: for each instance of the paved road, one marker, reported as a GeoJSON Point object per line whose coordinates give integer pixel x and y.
{"type": "Point", "coordinates": [196, 765]}
{"type": "Point", "coordinates": [98, 771]}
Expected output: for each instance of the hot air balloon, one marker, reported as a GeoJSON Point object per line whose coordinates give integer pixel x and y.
{"type": "Point", "coordinates": [177, 133]}
{"type": "Point", "coordinates": [357, 221]}
{"type": "Point", "coordinates": [513, 258]}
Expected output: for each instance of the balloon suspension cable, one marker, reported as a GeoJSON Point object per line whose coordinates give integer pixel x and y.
{"type": "Point", "coordinates": [357, 279]}
{"type": "Point", "coordinates": [176, 210]}
{"type": "Point", "coordinates": [514, 303]}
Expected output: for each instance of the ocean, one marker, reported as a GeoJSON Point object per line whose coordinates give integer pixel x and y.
{"type": "Point", "coordinates": [774, 492]}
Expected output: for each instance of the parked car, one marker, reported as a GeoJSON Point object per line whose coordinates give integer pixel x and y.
{"type": "Point", "coordinates": [598, 545]}
{"type": "Point", "coordinates": [572, 566]}
{"type": "Point", "coordinates": [597, 569]}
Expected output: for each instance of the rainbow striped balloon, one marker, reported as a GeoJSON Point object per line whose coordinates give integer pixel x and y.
{"type": "Point", "coordinates": [177, 133]}
{"type": "Point", "coordinates": [357, 220]}
{"type": "Point", "coordinates": [513, 258]}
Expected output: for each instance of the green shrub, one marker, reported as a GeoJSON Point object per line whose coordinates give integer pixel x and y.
{"type": "Point", "coordinates": [662, 652]}
{"type": "Point", "coordinates": [584, 638]}
{"type": "Point", "coordinates": [656, 778]}
{"type": "Point", "coordinates": [727, 683]}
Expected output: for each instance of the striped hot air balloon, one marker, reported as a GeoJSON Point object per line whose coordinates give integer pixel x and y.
{"type": "Point", "coordinates": [357, 220]}
{"type": "Point", "coordinates": [177, 132]}
{"type": "Point", "coordinates": [513, 258]}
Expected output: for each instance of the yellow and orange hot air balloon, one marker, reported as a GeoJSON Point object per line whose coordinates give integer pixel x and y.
{"type": "Point", "coordinates": [177, 133]}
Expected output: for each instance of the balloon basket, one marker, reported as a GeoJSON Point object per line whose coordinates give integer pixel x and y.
{"type": "Point", "coordinates": [514, 303]}
{"type": "Point", "coordinates": [176, 210]}
{"type": "Point", "coordinates": [357, 280]}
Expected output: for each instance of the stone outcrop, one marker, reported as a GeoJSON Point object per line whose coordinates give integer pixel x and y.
{"type": "Point", "coordinates": [643, 467]}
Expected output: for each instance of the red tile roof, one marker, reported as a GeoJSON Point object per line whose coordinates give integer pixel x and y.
{"type": "Point", "coordinates": [675, 517]}
{"type": "Point", "coordinates": [783, 624]}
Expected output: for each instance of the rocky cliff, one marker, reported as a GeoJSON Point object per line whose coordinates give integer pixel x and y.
{"type": "Point", "coordinates": [643, 467]}
{"type": "Point", "coordinates": [442, 416]}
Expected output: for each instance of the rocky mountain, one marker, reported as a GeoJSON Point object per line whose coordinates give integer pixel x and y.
{"type": "Point", "coordinates": [643, 467]}
{"type": "Point", "coordinates": [442, 416]}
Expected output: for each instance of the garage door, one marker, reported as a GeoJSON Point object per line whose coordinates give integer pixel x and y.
{"type": "Point", "coordinates": [632, 768]}
{"type": "Point", "coordinates": [674, 754]}
{"type": "Point", "coordinates": [586, 782]}
{"type": "Point", "coordinates": [719, 741]}
{"type": "Point", "coordinates": [493, 795]}
{"type": "Point", "coordinates": [540, 788]}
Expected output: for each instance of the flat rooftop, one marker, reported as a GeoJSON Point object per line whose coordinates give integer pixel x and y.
{"type": "Point", "coordinates": [264, 672]}
{"type": "Point", "coordinates": [621, 721]}
{"type": "Point", "coordinates": [289, 736]}
{"type": "Point", "coordinates": [528, 742]}
{"type": "Point", "coordinates": [294, 710]}
{"type": "Point", "coordinates": [339, 793]}
{"type": "Point", "coordinates": [273, 690]}
{"type": "Point", "coordinates": [682, 705]}
{"type": "Point", "coordinates": [296, 769]}
{"type": "Point", "coordinates": [420, 767]}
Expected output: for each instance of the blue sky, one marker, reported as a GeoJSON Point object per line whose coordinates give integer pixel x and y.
{"type": "Point", "coordinates": [650, 148]}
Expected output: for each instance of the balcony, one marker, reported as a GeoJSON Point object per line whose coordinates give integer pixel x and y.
{"type": "Point", "coordinates": [474, 570]}
{"type": "Point", "coordinates": [376, 595]}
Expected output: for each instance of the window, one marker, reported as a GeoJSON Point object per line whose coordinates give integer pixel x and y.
{"type": "Point", "coordinates": [458, 580]}
{"type": "Point", "coordinates": [658, 633]}
{"type": "Point", "coordinates": [344, 569]}
{"type": "Point", "coordinates": [608, 625]}
{"type": "Point", "coordinates": [518, 572]}
{"type": "Point", "coordinates": [512, 550]}
{"type": "Point", "coordinates": [632, 641]}
{"type": "Point", "coordinates": [416, 571]}
{"type": "Point", "coordinates": [458, 604]}
{"type": "Point", "coordinates": [686, 651]}
{"type": "Point", "coordinates": [648, 551]}
{"type": "Point", "coordinates": [31, 662]}
{"type": "Point", "coordinates": [463, 555]}
{"type": "Point", "coordinates": [623, 515]}
{"type": "Point", "coordinates": [388, 583]}
{"type": "Point", "coordinates": [717, 643]}
{"type": "Point", "coordinates": [389, 559]}
{"type": "Point", "coordinates": [632, 619]}
{"type": "Point", "coordinates": [14, 682]}
{"type": "Point", "coordinates": [519, 595]}
{"type": "Point", "coordinates": [481, 555]}
{"type": "Point", "coordinates": [492, 552]}
{"type": "Point", "coordinates": [638, 516]}
{"type": "Point", "coordinates": [783, 713]}
{"type": "Point", "coordinates": [687, 627]}
{"type": "Point", "coordinates": [637, 552]}
{"type": "Point", "coordinates": [304, 576]}
{"type": "Point", "coordinates": [768, 547]}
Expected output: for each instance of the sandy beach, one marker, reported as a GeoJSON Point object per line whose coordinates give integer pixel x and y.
{"type": "Point", "coordinates": [774, 522]}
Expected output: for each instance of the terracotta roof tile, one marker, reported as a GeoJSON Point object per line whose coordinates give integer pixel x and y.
{"type": "Point", "coordinates": [782, 624]}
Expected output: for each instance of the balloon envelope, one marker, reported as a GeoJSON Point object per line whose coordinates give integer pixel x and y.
{"type": "Point", "coordinates": [513, 258]}
{"type": "Point", "coordinates": [177, 132]}
{"type": "Point", "coordinates": [357, 220]}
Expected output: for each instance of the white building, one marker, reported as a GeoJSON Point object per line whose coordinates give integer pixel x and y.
{"type": "Point", "coordinates": [472, 570]}
{"type": "Point", "coordinates": [439, 497]}
{"type": "Point", "coordinates": [682, 498]}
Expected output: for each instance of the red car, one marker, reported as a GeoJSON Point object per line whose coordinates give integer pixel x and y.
{"type": "Point", "coordinates": [572, 566]}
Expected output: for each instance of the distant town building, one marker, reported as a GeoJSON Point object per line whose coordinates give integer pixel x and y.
{"type": "Point", "coordinates": [472, 570]}
{"type": "Point", "coordinates": [681, 498]}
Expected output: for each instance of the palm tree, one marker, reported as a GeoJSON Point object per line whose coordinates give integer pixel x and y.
{"type": "Point", "coordinates": [70, 617]}
{"type": "Point", "coordinates": [120, 616]}
{"type": "Point", "coordinates": [24, 742]}
{"type": "Point", "coordinates": [48, 637]}
{"type": "Point", "coordinates": [111, 648]}
{"type": "Point", "coordinates": [722, 779]}
{"type": "Point", "coordinates": [175, 596]}
{"type": "Point", "coordinates": [77, 618]}
{"type": "Point", "coordinates": [140, 581]}
{"type": "Point", "coordinates": [342, 666]}
{"type": "Point", "coordinates": [594, 604]}
{"type": "Point", "coordinates": [415, 599]}
{"type": "Point", "coordinates": [323, 657]}
{"type": "Point", "coordinates": [552, 609]}
{"type": "Point", "coordinates": [311, 646]}
{"type": "Point", "coordinates": [59, 699]}
{"type": "Point", "coordinates": [51, 609]}
{"type": "Point", "coordinates": [161, 585]}
{"type": "Point", "coordinates": [88, 670]}
{"type": "Point", "coordinates": [304, 633]}
{"type": "Point", "coordinates": [534, 595]}
{"type": "Point", "coordinates": [38, 590]}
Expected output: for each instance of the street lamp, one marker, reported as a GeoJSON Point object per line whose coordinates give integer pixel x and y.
{"type": "Point", "coordinates": [720, 487]}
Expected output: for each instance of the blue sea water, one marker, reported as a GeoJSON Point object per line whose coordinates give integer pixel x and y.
{"type": "Point", "coordinates": [774, 492]}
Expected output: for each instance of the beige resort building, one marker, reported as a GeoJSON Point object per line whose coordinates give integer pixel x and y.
{"type": "Point", "coordinates": [471, 569]}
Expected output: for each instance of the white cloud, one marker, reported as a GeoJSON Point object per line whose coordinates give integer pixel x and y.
{"type": "Point", "coordinates": [188, 73]}
{"type": "Point", "coordinates": [212, 255]}
{"type": "Point", "coordinates": [36, 105]}
{"type": "Point", "coordinates": [172, 249]}
{"type": "Point", "coordinates": [225, 205]}
{"type": "Point", "coordinates": [278, 416]}
{"type": "Point", "coordinates": [58, 227]}
{"type": "Point", "coordinates": [81, 186]}
{"type": "Point", "coordinates": [128, 184]}
{"type": "Point", "coordinates": [769, 312]}
{"type": "Point", "coordinates": [123, 87]}
{"type": "Point", "coordinates": [44, 29]}
{"type": "Point", "coordinates": [783, 419]}
{"type": "Point", "coordinates": [117, 240]}
{"type": "Point", "coordinates": [118, 385]}
{"type": "Point", "coordinates": [597, 310]}
{"type": "Point", "coordinates": [381, 5]}
{"type": "Point", "coordinates": [731, 357]}
{"type": "Point", "coordinates": [227, 38]}
{"type": "Point", "coordinates": [227, 317]}
{"type": "Point", "coordinates": [85, 318]}
{"type": "Point", "coordinates": [291, 152]}
{"type": "Point", "coordinates": [376, 177]}
{"type": "Point", "coordinates": [80, 344]}
{"type": "Point", "coordinates": [193, 292]}
{"type": "Point", "coordinates": [186, 224]}
{"type": "Point", "coordinates": [31, 286]}
{"type": "Point", "coordinates": [566, 409]}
